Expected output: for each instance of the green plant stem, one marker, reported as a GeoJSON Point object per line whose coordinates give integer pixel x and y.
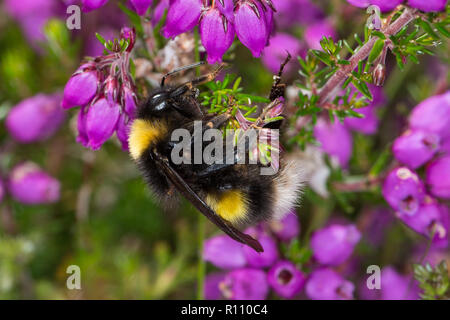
{"type": "Point", "coordinates": [196, 50]}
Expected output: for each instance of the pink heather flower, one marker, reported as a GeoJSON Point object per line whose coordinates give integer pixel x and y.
{"type": "Point", "coordinates": [335, 140]}
{"type": "Point", "coordinates": [245, 284]}
{"type": "Point", "coordinates": [123, 130]}
{"type": "Point", "coordinates": [428, 5]}
{"type": "Point", "coordinates": [291, 13]}
{"type": "Point", "coordinates": [158, 11]}
{"type": "Point", "coordinates": [285, 279]}
{"type": "Point", "coordinates": [261, 259]}
{"type": "Point", "coordinates": [2, 190]}
{"type": "Point", "coordinates": [385, 5]}
{"type": "Point", "coordinates": [438, 177]}
{"type": "Point", "coordinates": [276, 52]}
{"type": "Point", "coordinates": [327, 284]}
{"type": "Point", "coordinates": [376, 223]}
{"type": "Point", "coordinates": [433, 115]}
{"type": "Point", "coordinates": [29, 184]}
{"type": "Point", "coordinates": [216, 33]}
{"type": "Point", "coordinates": [395, 286]}
{"type": "Point", "coordinates": [183, 15]}
{"type": "Point", "coordinates": [251, 26]}
{"type": "Point", "coordinates": [89, 5]}
{"type": "Point", "coordinates": [415, 147]}
{"type": "Point", "coordinates": [315, 32]}
{"type": "Point", "coordinates": [403, 190]}
{"type": "Point", "coordinates": [287, 228]}
{"type": "Point", "coordinates": [141, 6]}
{"type": "Point", "coordinates": [428, 220]}
{"type": "Point", "coordinates": [212, 286]}
{"type": "Point", "coordinates": [224, 252]}
{"type": "Point", "coordinates": [101, 121]}
{"type": "Point", "coordinates": [334, 244]}
{"type": "Point", "coordinates": [81, 87]}
{"type": "Point", "coordinates": [36, 118]}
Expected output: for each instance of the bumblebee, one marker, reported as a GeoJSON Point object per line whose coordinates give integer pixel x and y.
{"type": "Point", "coordinates": [231, 195]}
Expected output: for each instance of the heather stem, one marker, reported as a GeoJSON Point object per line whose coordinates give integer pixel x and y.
{"type": "Point", "coordinates": [328, 90]}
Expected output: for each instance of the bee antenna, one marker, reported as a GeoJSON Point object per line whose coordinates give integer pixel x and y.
{"type": "Point", "coordinates": [190, 66]}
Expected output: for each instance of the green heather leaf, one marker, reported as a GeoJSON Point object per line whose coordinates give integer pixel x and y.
{"type": "Point", "coordinates": [376, 50]}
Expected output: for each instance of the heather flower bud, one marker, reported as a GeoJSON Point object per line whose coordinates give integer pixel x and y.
{"type": "Point", "coordinates": [438, 177]}
{"type": "Point", "coordinates": [36, 118]}
{"type": "Point", "coordinates": [335, 140]}
{"type": "Point", "coordinates": [141, 6]}
{"type": "Point", "coordinates": [433, 115]}
{"type": "Point", "coordinates": [111, 89]}
{"type": "Point", "coordinates": [245, 284]}
{"type": "Point", "coordinates": [101, 121]}
{"type": "Point", "coordinates": [379, 74]}
{"type": "Point", "coordinates": [327, 284]}
{"type": "Point", "coordinates": [415, 147]}
{"type": "Point", "coordinates": [251, 26]}
{"type": "Point", "coordinates": [287, 228]}
{"type": "Point", "coordinates": [261, 259]}
{"type": "Point", "coordinates": [428, 5]}
{"type": "Point", "coordinates": [403, 190]}
{"type": "Point", "coordinates": [89, 5]}
{"type": "Point", "coordinates": [216, 33]}
{"type": "Point", "coordinates": [29, 184]}
{"type": "Point", "coordinates": [285, 279]}
{"type": "Point", "coordinates": [183, 15]}
{"type": "Point", "coordinates": [334, 244]}
{"type": "Point", "coordinates": [129, 101]}
{"type": "Point", "coordinates": [224, 252]}
{"type": "Point", "coordinates": [81, 87]}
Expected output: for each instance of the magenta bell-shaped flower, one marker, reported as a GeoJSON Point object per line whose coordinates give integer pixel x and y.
{"type": "Point", "coordinates": [251, 26]}
{"type": "Point", "coordinates": [100, 122]}
{"type": "Point", "coordinates": [245, 284]}
{"type": "Point", "coordinates": [327, 284]}
{"type": "Point", "coordinates": [36, 118]}
{"type": "Point", "coordinates": [315, 32]}
{"type": "Point", "coordinates": [438, 177]}
{"type": "Point", "coordinates": [216, 33]}
{"type": "Point", "coordinates": [183, 15]}
{"type": "Point", "coordinates": [427, 220]}
{"type": "Point", "coordinates": [141, 6]}
{"type": "Point", "coordinates": [385, 5]}
{"type": "Point", "coordinates": [415, 147]}
{"type": "Point", "coordinates": [287, 228]}
{"type": "Point", "coordinates": [403, 190]}
{"type": "Point", "coordinates": [89, 5]}
{"type": "Point", "coordinates": [29, 184]}
{"type": "Point", "coordinates": [123, 131]}
{"type": "Point", "coordinates": [428, 5]}
{"type": "Point", "coordinates": [433, 115]}
{"type": "Point", "coordinates": [81, 87]}
{"type": "Point", "coordinates": [285, 279]}
{"type": "Point", "coordinates": [227, 9]}
{"type": "Point", "coordinates": [212, 286]}
{"type": "Point", "coordinates": [158, 11]}
{"type": "Point", "coordinates": [334, 244]}
{"type": "Point", "coordinates": [261, 259]}
{"type": "Point", "coordinates": [335, 140]}
{"type": "Point", "coordinates": [224, 252]}
{"type": "Point", "coordinates": [276, 52]}
{"type": "Point", "coordinates": [395, 286]}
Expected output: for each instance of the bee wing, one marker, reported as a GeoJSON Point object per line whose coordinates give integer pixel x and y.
{"type": "Point", "coordinates": [201, 206]}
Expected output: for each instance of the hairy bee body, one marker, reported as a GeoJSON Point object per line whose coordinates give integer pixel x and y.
{"type": "Point", "coordinates": [229, 195]}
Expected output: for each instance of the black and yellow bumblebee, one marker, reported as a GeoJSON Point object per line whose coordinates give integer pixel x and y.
{"type": "Point", "coordinates": [230, 195]}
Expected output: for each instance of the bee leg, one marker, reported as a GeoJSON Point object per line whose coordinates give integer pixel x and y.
{"type": "Point", "coordinates": [278, 88]}
{"type": "Point", "coordinates": [195, 82]}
